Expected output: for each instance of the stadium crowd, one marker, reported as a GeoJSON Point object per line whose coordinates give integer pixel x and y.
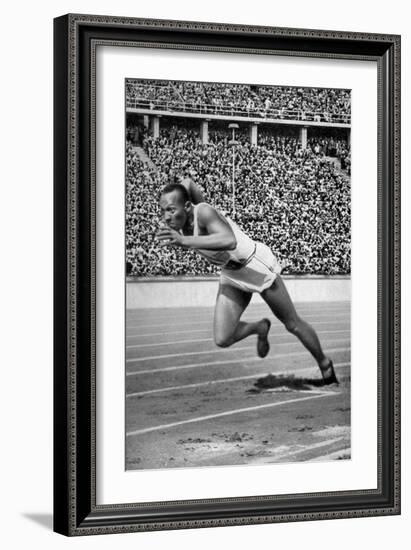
{"type": "Point", "coordinates": [283, 102]}
{"type": "Point", "coordinates": [296, 201]}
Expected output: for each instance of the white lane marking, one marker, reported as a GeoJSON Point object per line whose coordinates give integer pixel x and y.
{"type": "Point", "coordinates": [185, 331]}
{"type": "Point", "coordinates": [209, 329]}
{"type": "Point", "coordinates": [304, 449]}
{"type": "Point", "coordinates": [199, 311]}
{"type": "Point", "coordinates": [175, 342]}
{"type": "Point", "coordinates": [271, 459]}
{"type": "Point", "coordinates": [332, 456]}
{"type": "Point", "coordinates": [252, 358]}
{"type": "Point", "coordinates": [214, 350]}
{"type": "Point", "coordinates": [225, 380]}
{"type": "Point", "coordinates": [218, 351]}
{"type": "Point", "coordinates": [170, 343]}
{"type": "Point", "coordinates": [168, 324]}
{"type": "Point", "coordinates": [227, 413]}
{"type": "Point", "coordinates": [173, 322]}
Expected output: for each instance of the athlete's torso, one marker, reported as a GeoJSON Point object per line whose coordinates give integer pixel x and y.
{"type": "Point", "coordinates": [245, 246]}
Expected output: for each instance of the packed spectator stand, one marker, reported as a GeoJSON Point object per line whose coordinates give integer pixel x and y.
{"type": "Point", "coordinates": [295, 200]}
{"type": "Point", "coordinates": [245, 100]}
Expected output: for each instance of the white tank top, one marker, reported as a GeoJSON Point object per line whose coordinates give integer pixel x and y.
{"type": "Point", "coordinates": [244, 249]}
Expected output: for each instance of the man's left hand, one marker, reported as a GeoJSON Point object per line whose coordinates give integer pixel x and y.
{"type": "Point", "coordinates": [167, 236]}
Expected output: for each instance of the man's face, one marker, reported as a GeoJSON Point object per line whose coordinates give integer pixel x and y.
{"type": "Point", "coordinates": [173, 209]}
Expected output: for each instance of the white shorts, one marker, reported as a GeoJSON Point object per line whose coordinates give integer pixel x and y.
{"type": "Point", "coordinates": [258, 275]}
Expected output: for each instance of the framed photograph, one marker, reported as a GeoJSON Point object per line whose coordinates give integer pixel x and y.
{"type": "Point", "coordinates": [227, 275]}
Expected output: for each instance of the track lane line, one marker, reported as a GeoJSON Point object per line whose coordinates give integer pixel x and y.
{"type": "Point", "coordinates": [227, 413]}
{"type": "Point", "coordinates": [195, 311]}
{"type": "Point", "coordinates": [320, 445]}
{"type": "Point", "coordinates": [185, 353]}
{"type": "Point", "coordinates": [331, 456]}
{"type": "Point", "coordinates": [225, 380]}
{"type": "Point", "coordinates": [229, 361]}
{"type": "Point", "coordinates": [172, 343]}
{"type": "Point", "coordinates": [185, 331]}
{"type": "Point", "coordinates": [209, 329]}
{"type": "Point", "coordinates": [217, 351]}
{"type": "Point", "coordinates": [143, 319]}
{"type": "Point", "coordinates": [156, 325]}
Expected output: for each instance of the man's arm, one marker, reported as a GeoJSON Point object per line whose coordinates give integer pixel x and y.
{"type": "Point", "coordinates": [219, 235]}
{"type": "Point", "coordinates": [195, 192]}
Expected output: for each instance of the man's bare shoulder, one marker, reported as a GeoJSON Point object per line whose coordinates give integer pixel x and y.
{"type": "Point", "coordinates": [209, 218]}
{"type": "Point", "coordinates": [205, 212]}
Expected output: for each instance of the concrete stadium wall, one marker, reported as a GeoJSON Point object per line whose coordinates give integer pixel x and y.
{"type": "Point", "coordinates": [201, 292]}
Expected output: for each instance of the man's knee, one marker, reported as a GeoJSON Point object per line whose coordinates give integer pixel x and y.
{"type": "Point", "coordinates": [293, 325]}
{"type": "Point", "coordinates": [223, 341]}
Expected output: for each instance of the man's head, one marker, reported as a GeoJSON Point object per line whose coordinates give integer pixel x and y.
{"type": "Point", "coordinates": [175, 205]}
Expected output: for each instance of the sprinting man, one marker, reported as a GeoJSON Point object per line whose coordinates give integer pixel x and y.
{"type": "Point", "coordinates": [246, 267]}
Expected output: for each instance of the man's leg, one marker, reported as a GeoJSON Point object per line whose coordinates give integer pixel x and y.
{"type": "Point", "coordinates": [228, 329]}
{"type": "Point", "coordinates": [279, 300]}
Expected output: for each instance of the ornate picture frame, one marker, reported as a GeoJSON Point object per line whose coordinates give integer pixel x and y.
{"type": "Point", "coordinates": [76, 40]}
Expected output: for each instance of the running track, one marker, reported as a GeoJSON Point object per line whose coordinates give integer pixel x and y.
{"type": "Point", "coordinates": [189, 403]}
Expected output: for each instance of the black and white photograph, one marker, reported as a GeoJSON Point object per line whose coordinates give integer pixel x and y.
{"type": "Point", "coordinates": [132, 415]}
{"type": "Point", "coordinates": [238, 274]}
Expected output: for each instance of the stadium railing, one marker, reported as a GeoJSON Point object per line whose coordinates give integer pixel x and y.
{"type": "Point", "coordinates": [208, 108]}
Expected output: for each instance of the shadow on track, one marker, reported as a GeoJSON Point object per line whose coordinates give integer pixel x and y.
{"type": "Point", "coordinates": [288, 381]}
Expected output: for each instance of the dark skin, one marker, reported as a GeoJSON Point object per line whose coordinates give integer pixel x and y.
{"type": "Point", "coordinates": [216, 234]}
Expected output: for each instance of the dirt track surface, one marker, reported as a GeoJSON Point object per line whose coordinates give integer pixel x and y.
{"type": "Point", "coordinates": [189, 403]}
